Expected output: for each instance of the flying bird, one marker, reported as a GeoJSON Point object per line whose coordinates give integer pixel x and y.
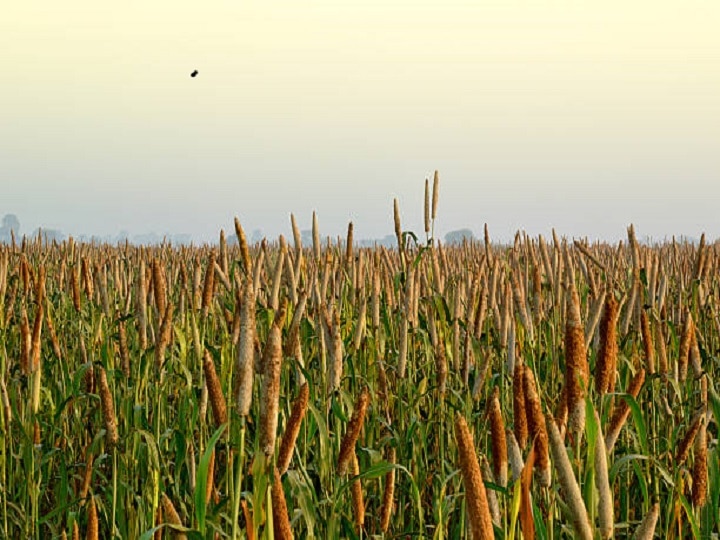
{"type": "Point", "coordinates": [194, 73]}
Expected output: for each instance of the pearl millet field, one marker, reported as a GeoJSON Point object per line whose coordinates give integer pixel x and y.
{"type": "Point", "coordinates": [548, 389]}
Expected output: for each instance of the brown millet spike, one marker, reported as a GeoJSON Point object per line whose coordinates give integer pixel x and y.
{"type": "Point", "coordinates": [244, 251]}
{"type": "Point", "coordinates": [217, 399]}
{"type": "Point", "coordinates": [247, 514]}
{"type": "Point", "coordinates": [75, 286]}
{"type": "Point", "coordinates": [347, 447]}
{"type": "Point", "coordinates": [622, 410]}
{"type": "Point", "coordinates": [87, 474]}
{"type": "Point", "coordinates": [520, 423]}
{"type": "Point", "coordinates": [159, 520]}
{"type": "Point", "coordinates": [358, 502]}
{"type": "Point", "coordinates": [426, 207]}
{"type": "Point", "coordinates": [172, 516]}
{"type": "Point", "coordinates": [210, 480]}
{"type": "Point", "coordinates": [647, 339]}
{"type": "Point", "coordinates": [606, 361]}
{"type": "Point", "coordinates": [536, 427]}
{"type": "Point", "coordinates": [208, 284]}
{"type": "Point", "coordinates": [108, 409]}
{"type": "Point", "coordinates": [281, 521]}
{"type": "Point", "coordinates": [498, 441]}
{"type": "Point", "coordinates": [270, 389]}
{"type": "Point", "coordinates": [479, 518]}
{"type": "Point", "coordinates": [388, 493]}
{"type": "Point", "coordinates": [287, 444]}
{"type": "Point", "coordinates": [700, 468]}
{"type": "Point", "coordinates": [683, 449]}
{"type": "Point", "coordinates": [576, 366]}
{"type": "Point", "coordinates": [92, 531]}
{"type": "Point", "coordinates": [124, 351]}
{"type": "Point", "coordinates": [159, 286]}
{"type": "Point", "coordinates": [164, 334]}
{"type": "Point", "coordinates": [684, 347]}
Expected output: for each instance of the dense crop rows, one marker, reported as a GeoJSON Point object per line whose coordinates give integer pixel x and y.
{"type": "Point", "coordinates": [555, 389]}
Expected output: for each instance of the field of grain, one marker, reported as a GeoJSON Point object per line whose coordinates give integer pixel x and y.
{"type": "Point", "coordinates": [545, 389]}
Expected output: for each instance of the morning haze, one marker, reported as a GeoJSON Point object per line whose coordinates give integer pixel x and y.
{"type": "Point", "coordinates": [579, 116]}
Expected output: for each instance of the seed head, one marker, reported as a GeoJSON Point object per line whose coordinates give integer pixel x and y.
{"type": "Point", "coordinates": [498, 441]}
{"type": "Point", "coordinates": [108, 409]}
{"type": "Point", "coordinates": [270, 390]}
{"type": "Point", "coordinates": [287, 444]}
{"type": "Point", "coordinates": [245, 364]}
{"type": "Point", "coordinates": [606, 361]}
{"type": "Point", "coordinates": [568, 482]}
{"type": "Point", "coordinates": [479, 518]}
{"type": "Point", "coordinates": [358, 501]}
{"type": "Point", "coordinates": [215, 394]}
{"type": "Point", "coordinates": [347, 447]}
{"type": "Point", "coordinates": [536, 427]}
{"type": "Point", "coordinates": [520, 422]}
{"type": "Point", "coordinates": [388, 493]}
{"type": "Point", "coordinates": [281, 522]}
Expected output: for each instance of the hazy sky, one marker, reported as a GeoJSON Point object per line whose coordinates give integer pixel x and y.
{"type": "Point", "coordinates": [579, 115]}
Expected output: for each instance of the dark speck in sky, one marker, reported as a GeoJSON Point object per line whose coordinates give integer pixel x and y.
{"type": "Point", "coordinates": [194, 73]}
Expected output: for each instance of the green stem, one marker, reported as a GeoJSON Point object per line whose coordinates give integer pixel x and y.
{"type": "Point", "coordinates": [269, 529]}
{"type": "Point", "coordinates": [114, 500]}
{"type": "Point", "coordinates": [237, 493]}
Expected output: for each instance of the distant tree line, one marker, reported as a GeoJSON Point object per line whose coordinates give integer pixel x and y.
{"type": "Point", "coordinates": [10, 226]}
{"type": "Point", "coordinates": [458, 236]}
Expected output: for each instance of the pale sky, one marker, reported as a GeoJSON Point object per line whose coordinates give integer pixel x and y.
{"type": "Point", "coordinates": [579, 115]}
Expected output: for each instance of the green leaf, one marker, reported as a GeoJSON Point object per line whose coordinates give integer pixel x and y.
{"type": "Point", "coordinates": [714, 399]}
{"type": "Point", "coordinates": [624, 461]}
{"type": "Point", "coordinates": [664, 473]}
{"type": "Point", "coordinates": [690, 515]}
{"type": "Point", "coordinates": [323, 437]}
{"type": "Point", "coordinates": [348, 529]}
{"type": "Point", "coordinates": [540, 529]}
{"type": "Point", "coordinates": [592, 432]}
{"type": "Point", "coordinates": [441, 308]}
{"type": "Point", "coordinates": [190, 534]}
{"type": "Point", "coordinates": [153, 451]}
{"type": "Point", "coordinates": [372, 472]}
{"type": "Point", "coordinates": [303, 496]}
{"type": "Point", "coordinates": [201, 478]}
{"type": "Point", "coordinates": [642, 481]}
{"type": "Point", "coordinates": [514, 509]}
{"type": "Point", "coordinates": [150, 533]}
{"type": "Point", "coordinates": [337, 411]}
{"type": "Point", "coordinates": [639, 421]}
{"type": "Point", "coordinates": [419, 256]}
